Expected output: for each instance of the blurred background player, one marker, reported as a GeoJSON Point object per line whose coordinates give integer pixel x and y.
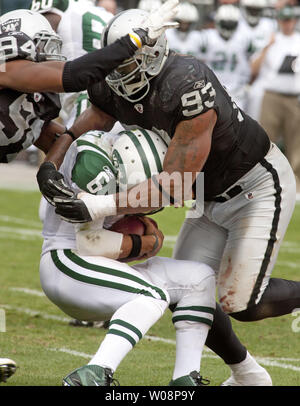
{"type": "Point", "coordinates": [10, 5]}
{"type": "Point", "coordinates": [184, 39]}
{"type": "Point", "coordinates": [226, 51]}
{"type": "Point", "coordinates": [110, 5]}
{"type": "Point", "coordinates": [278, 67]}
{"type": "Point", "coordinates": [261, 30]}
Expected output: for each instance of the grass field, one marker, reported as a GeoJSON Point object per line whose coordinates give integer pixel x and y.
{"type": "Point", "coordinates": [46, 348]}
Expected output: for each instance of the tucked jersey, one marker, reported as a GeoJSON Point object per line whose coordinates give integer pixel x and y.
{"type": "Point", "coordinates": [80, 29]}
{"type": "Point", "coordinates": [184, 89]}
{"type": "Point", "coordinates": [87, 166]}
{"type": "Point", "coordinates": [22, 115]}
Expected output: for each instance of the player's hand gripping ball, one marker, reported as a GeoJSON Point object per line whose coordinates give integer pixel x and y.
{"type": "Point", "coordinates": [129, 225]}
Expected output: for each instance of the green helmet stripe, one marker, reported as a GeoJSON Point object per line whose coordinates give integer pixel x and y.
{"type": "Point", "coordinates": [81, 143]}
{"type": "Point", "coordinates": [154, 150]}
{"type": "Point", "coordinates": [141, 152]}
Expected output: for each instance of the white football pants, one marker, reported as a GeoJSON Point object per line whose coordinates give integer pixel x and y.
{"type": "Point", "coordinates": [93, 288]}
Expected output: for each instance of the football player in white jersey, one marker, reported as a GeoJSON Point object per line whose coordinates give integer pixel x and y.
{"type": "Point", "coordinates": [261, 30]}
{"type": "Point", "coordinates": [79, 23]}
{"type": "Point", "coordinates": [227, 52]}
{"type": "Point", "coordinates": [30, 46]}
{"type": "Point", "coordinates": [184, 38]}
{"type": "Point", "coordinates": [81, 272]}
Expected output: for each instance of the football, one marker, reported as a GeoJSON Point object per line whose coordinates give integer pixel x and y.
{"type": "Point", "coordinates": [129, 225]}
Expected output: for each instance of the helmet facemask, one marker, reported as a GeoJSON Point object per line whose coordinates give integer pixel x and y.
{"type": "Point", "coordinates": [253, 15]}
{"type": "Point", "coordinates": [226, 28]}
{"type": "Point", "coordinates": [131, 80]}
{"type": "Point", "coordinates": [48, 46]}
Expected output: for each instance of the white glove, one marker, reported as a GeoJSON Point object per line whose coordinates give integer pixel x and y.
{"type": "Point", "coordinates": [161, 19]}
{"type": "Point", "coordinates": [157, 22]}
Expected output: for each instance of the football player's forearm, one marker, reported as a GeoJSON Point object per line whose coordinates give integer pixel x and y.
{"type": "Point", "coordinates": [147, 245]}
{"type": "Point", "coordinates": [30, 77]}
{"type": "Point", "coordinates": [91, 68]}
{"type": "Point", "coordinates": [49, 135]}
{"type": "Point", "coordinates": [92, 119]}
{"type": "Point", "coordinates": [58, 150]}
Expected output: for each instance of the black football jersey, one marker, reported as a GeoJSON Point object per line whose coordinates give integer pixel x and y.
{"type": "Point", "coordinates": [184, 89]}
{"type": "Point", "coordinates": [22, 116]}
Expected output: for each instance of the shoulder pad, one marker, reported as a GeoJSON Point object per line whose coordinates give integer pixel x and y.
{"type": "Point", "coordinates": [16, 45]}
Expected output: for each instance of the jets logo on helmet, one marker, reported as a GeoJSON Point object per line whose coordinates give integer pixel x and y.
{"type": "Point", "coordinates": [131, 79]}
{"type": "Point", "coordinates": [138, 155]}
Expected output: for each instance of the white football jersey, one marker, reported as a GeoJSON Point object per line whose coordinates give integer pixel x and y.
{"type": "Point", "coordinates": [229, 60]}
{"type": "Point", "coordinates": [183, 43]}
{"type": "Point", "coordinates": [80, 28]}
{"type": "Point", "coordinates": [86, 167]}
{"type": "Point", "coordinates": [261, 33]}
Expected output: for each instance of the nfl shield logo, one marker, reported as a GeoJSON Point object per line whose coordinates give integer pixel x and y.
{"type": "Point", "coordinates": [37, 97]}
{"type": "Point", "coordinates": [139, 108]}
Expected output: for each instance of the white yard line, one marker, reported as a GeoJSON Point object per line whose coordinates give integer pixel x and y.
{"type": "Point", "coordinates": [22, 233]}
{"type": "Point", "coordinates": [17, 220]}
{"type": "Point", "coordinates": [33, 292]}
{"type": "Point", "coordinates": [267, 361]}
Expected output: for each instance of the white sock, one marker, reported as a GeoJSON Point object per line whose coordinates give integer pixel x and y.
{"type": "Point", "coordinates": [190, 341]}
{"type": "Point", "coordinates": [127, 326]}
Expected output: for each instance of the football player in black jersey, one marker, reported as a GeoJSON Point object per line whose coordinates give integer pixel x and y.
{"type": "Point", "coordinates": [249, 186]}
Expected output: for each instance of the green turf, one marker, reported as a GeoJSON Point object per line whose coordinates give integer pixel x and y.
{"type": "Point", "coordinates": [37, 343]}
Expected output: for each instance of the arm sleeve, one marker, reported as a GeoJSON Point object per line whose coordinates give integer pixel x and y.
{"type": "Point", "coordinates": [93, 67]}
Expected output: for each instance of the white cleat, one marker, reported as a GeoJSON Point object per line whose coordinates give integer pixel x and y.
{"type": "Point", "coordinates": [248, 373]}
{"type": "Point", "coordinates": [7, 368]}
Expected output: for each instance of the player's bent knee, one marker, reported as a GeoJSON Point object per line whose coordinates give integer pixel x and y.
{"type": "Point", "coordinates": [231, 301]}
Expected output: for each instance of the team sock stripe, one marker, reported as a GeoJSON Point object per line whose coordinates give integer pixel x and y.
{"type": "Point", "coordinates": [122, 334]}
{"type": "Point", "coordinates": [154, 150]}
{"type": "Point", "coordinates": [199, 314]}
{"type": "Point", "coordinates": [128, 326]}
{"type": "Point", "coordinates": [121, 274]}
{"type": "Point", "coordinates": [95, 281]}
{"type": "Point", "coordinates": [273, 238]}
{"type": "Point", "coordinates": [203, 309]}
{"type": "Point", "coordinates": [197, 319]}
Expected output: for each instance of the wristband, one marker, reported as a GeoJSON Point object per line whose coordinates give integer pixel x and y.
{"type": "Point", "coordinates": [136, 246]}
{"type": "Point", "coordinates": [71, 134]}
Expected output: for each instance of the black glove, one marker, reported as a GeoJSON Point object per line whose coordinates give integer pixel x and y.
{"type": "Point", "coordinates": [51, 183]}
{"type": "Point", "coordinates": [72, 210]}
